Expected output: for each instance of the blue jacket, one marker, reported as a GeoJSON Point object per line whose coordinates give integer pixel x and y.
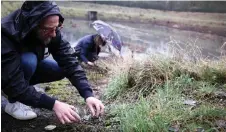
{"type": "Point", "coordinates": [87, 49]}
{"type": "Point", "coordinates": [17, 38]}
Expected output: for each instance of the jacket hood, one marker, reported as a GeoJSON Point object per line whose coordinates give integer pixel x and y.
{"type": "Point", "coordinates": [28, 17]}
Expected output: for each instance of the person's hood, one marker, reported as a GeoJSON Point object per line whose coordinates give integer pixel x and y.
{"type": "Point", "coordinates": [28, 17]}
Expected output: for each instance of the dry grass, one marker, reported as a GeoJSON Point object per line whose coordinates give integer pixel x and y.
{"type": "Point", "coordinates": [149, 94]}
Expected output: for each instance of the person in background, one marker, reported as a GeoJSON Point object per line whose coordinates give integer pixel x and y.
{"type": "Point", "coordinates": [88, 48]}
{"type": "Point", "coordinates": [26, 33]}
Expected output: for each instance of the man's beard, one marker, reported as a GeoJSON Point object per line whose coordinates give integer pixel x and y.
{"type": "Point", "coordinates": [44, 41]}
{"type": "Point", "coordinates": [47, 41]}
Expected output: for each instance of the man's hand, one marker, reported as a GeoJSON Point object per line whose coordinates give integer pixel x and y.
{"type": "Point", "coordinates": [90, 63]}
{"type": "Point", "coordinates": [65, 113]}
{"type": "Point", "coordinates": [96, 107]}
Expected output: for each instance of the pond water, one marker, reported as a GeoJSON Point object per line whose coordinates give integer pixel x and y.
{"type": "Point", "coordinates": [148, 38]}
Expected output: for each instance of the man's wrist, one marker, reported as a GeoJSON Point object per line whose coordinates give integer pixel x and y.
{"type": "Point", "coordinates": [47, 102]}
{"type": "Point", "coordinates": [88, 94]}
{"type": "Point", "coordinates": [55, 105]}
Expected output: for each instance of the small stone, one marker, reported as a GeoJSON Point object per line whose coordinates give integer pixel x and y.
{"type": "Point", "coordinates": [87, 117]}
{"type": "Point", "coordinates": [176, 26]}
{"type": "Point", "coordinates": [50, 127]}
{"type": "Point", "coordinates": [200, 129]}
{"type": "Point", "coordinates": [77, 111]}
{"type": "Point", "coordinates": [220, 94]}
{"type": "Point", "coordinates": [190, 102]}
{"type": "Point", "coordinates": [173, 129]}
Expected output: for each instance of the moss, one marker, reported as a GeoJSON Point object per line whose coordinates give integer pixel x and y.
{"type": "Point", "coordinates": [64, 91]}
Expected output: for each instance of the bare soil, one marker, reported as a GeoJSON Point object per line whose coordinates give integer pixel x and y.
{"type": "Point", "coordinates": [46, 117]}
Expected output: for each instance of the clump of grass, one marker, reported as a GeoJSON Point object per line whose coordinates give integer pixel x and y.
{"type": "Point", "coordinates": [204, 117]}
{"type": "Point", "coordinates": [214, 74]}
{"type": "Point", "coordinates": [119, 77]}
{"type": "Point", "coordinates": [200, 67]}
{"type": "Point", "coordinates": [152, 114]}
{"type": "Point", "coordinates": [156, 89]}
{"type": "Point", "coordinates": [117, 86]}
{"type": "Point", "coordinates": [144, 76]}
{"type": "Point", "coordinates": [152, 73]}
{"type": "Point", "coordinates": [165, 109]}
{"type": "Point", "coordinates": [94, 75]}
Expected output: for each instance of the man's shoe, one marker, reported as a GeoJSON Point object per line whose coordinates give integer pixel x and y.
{"type": "Point", "coordinates": [20, 111]}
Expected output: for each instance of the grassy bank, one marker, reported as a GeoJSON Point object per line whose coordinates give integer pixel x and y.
{"type": "Point", "coordinates": [151, 95]}
{"type": "Point", "coordinates": [157, 94]}
{"type": "Point", "coordinates": [203, 22]}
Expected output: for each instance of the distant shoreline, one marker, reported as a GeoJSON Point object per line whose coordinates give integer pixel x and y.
{"type": "Point", "coordinates": [211, 23]}
{"type": "Point", "coordinates": [202, 29]}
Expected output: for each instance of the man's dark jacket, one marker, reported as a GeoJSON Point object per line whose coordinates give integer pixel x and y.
{"type": "Point", "coordinates": [87, 49]}
{"type": "Point", "coordinates": [17, 38]}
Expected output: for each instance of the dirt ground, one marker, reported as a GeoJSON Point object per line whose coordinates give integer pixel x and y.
{"type": "Point", "coordinates": [45, 118]}
{"type": "Point", "coordinates": [71, 96]}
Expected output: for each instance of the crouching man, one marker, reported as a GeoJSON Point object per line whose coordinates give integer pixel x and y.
{"type": "Point", "coordinates": [26, 33]}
